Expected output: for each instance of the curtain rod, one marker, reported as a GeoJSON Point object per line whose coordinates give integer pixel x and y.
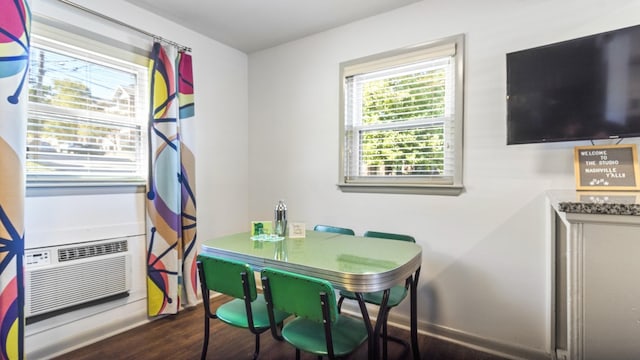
{"type": "Point", "coordinates": [108, 18]}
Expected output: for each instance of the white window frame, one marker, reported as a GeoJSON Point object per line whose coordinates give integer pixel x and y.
{"type": "Point", "coordinates": [349, 179]}
{"type": "Point", "coordinates": [94, 47]}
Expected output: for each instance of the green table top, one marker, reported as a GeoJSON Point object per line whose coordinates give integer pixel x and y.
{"type": "Point", "coordinates": [355, 263]}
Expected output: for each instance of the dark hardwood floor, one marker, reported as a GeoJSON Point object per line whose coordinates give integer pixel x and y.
{"type": "Point", "coordinates": [179, 337]}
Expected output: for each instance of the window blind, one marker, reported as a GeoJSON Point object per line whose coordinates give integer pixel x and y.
{"type": "Point", "coordinates": [398, 121]}
{"type": "Point", "coordinates": [87, 116]}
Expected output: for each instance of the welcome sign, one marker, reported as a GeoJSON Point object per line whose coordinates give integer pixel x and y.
{"type": "Point", "coordinates": [607, 167]}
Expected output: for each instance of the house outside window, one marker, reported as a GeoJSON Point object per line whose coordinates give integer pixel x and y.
{"type": "Point", "coordinates": [401, 120]}
{"type": "Point", "coordinates": [87, 116]}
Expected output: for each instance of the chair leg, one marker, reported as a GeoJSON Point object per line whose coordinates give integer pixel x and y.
{"type": "Point", "coordinates": [340, 304]}
{"type": "Point", "coordinates": [297, 354]}
{"type": "Point", "coordinates": [384, 336]}
{"type": "Point", "coordinates": [257, 350]}
{"type": "Point", "coordinates": [205, 343]}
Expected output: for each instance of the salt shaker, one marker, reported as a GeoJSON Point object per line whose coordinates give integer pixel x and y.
{"type": "Point", "coordinates": [280, 218]}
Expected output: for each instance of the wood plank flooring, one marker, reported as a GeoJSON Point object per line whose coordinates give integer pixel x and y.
{"type": "Point", "coordinates": [179, 337]}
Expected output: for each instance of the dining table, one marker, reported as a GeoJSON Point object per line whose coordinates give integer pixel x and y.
{"type": "Point", "coordinates": [354, 263]}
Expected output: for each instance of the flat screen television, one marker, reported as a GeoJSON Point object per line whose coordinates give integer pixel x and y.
{"type": "Point", "coordinates": [580, 89]}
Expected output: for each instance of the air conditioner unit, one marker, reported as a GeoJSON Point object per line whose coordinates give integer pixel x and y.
{"type": "Point", "coordinates": [66, 276]}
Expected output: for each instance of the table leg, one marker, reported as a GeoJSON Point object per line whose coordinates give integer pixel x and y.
{"type": "Point", "coordinates": [414, 315]}
{"type": "Point", "coordinates": [367, 323]}
{"type": "Point", "coordinates": [382, 313]}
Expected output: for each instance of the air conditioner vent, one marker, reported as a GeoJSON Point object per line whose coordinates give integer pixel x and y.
{"type": "Point", "coordinates": [101, 270]}
{"type": "Point", "coordinates": [68, 285]}
{"type": "Point", "coordinates": [91, 250]}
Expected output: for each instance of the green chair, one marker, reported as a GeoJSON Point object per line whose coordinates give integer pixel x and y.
{"type": "Point", "coordinates": [396, 294]}
{"type": "Point", "coordinates": [248, 308]}
{"type": "Point", "coordinates": [318, 328]}
{"type": "Point", "coordinates": [334, 229]}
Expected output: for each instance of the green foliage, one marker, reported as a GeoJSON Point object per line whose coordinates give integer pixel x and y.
{"type": "Point", "coordinates": [71, 94]}
{"type": "Point", "coordinates": [41, 95]}
{"type": "Point", "coordinates": [68, 94]}
{"type": "Point", "coordinates": [411, 150]}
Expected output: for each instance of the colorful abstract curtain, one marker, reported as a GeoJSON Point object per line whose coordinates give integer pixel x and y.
{"type": "Point", "coordinates": [15, 27]}
{"type": "Point", "coordinates": [171, 206]}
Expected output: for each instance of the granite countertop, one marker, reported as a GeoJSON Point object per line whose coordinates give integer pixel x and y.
{"type": "Point", "coordinates": [600, 208]}
{"type": "Point", "coordinates": [605, 203]}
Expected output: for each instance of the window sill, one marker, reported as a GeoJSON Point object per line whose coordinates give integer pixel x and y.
{"type": "Point", "coordinates": [449, 190]}
{"type": "Point", "coordinates": [35, 189]}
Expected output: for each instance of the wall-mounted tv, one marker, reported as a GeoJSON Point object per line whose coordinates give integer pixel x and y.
{"type": "Point", "coordinates": [580, 89]}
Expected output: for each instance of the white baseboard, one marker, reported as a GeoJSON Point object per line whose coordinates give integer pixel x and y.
{"type": "Point", "coordinates": [56, 336]}
{"type": "Point", "coordinates": [52, 338]}
{"type": "Point", "coordinates": [472, 341]}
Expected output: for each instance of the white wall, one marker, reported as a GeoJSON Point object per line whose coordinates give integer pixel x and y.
{"type": "Point", "coordinates": [268, 129]}
{"type": "Point", "coordinates": [485, 277]}
{"type": "Point", "coordinates": [221, 103]}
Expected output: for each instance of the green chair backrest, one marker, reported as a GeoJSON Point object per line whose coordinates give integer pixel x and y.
{"type": "Point", "coordinates": [391, 236]}
{"type": "Point", "coordinates": [225, 276]}
{"type": "Point", "coordinates": [334, 229]}
{"type": "Point", "coordinates": [299, 294]}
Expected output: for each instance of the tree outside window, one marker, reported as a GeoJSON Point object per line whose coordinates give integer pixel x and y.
{"type": "Point", "coordinates": [84, 123]}
{"type": "Point", "coordinates": [402, 120]}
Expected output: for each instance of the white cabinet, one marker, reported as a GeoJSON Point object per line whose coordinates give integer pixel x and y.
{"type": "Point", "coordinates": [597, 286]}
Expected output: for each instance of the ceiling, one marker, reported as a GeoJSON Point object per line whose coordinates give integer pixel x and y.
{"type": "Point", "coordinates": [252, 25]}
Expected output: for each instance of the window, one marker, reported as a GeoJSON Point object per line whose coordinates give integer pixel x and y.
{"type": "Point", "coordinates": [401, 122]}
{"type": "Point", "coordinates": [87, 116]}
